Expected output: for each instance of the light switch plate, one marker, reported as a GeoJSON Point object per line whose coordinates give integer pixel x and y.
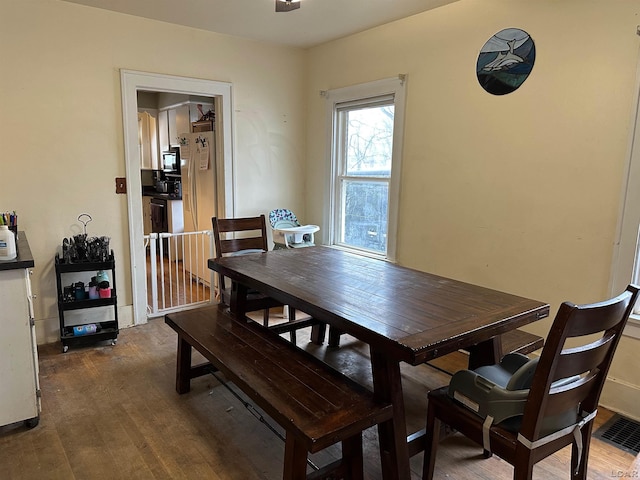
{"type": "Point", "coordinates": [121, 185]}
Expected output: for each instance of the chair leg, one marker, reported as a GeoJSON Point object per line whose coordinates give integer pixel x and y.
{"type": "Point", "coordinates": [431, 444]}
{"type": "Point", "coordinates": [291, 312]}
{"type": "Point", "coordinates": [523, 472]}
{"type": "Point", "coordinates": [318, 332]}
{"type": "Point", "coordinates": [523, 463]}
{"type": "Point", "coordinates": [265, 317]}
{"type": "Point", "coordinates": [334, 337]}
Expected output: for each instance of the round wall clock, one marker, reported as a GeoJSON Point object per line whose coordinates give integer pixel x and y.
{"type": "Point", "coordinates": [505, 61]}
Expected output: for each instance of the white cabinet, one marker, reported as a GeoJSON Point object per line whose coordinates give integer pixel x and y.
{"type": "Point", "coordinates": [173, 133]}
{"type": "Point", "coordinates": [182, 123]}
{"type": "Point", "coordinates": [178, 123]}
{"type": "Point", "coordinates": [177, 119]}
{"type": "Point", "coordinates": [20, 392]}
{"type": "Point", "coordinates": [163, 130]}
{"type": "Point", "coordinates": [148, 141]}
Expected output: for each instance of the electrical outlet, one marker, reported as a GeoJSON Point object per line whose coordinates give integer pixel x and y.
{"type": "Point", "coordinates": [121, 185]}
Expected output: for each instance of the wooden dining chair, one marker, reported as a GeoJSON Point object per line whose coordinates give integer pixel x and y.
{"type": "Point", "coordinates": [558, 408]}
{"type": "Point", "coordinates": [242, 236]}
{"type": "Point", "coordinates": [245, 236]}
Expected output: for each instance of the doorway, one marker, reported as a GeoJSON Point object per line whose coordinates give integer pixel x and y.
{"type": "Point", "coordinates": [178, 139]}
{"type": "Point", "coordinates": [132, 82]}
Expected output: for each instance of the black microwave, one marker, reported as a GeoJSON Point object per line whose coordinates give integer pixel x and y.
{"type": "Point", "coordinates": [171, 160]}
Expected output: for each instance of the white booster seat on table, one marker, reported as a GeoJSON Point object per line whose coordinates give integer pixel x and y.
{"type": "Point", "coordinates": [287, 231]}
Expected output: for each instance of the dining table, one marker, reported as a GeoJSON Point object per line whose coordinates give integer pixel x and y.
{"type": "Point", "coordinates": [403, 314]}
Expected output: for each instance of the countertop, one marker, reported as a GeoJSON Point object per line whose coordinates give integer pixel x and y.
{"type": "Point", "coordinates": [162, 196]}
{"type": "Point", "coordinates": [24, 258]}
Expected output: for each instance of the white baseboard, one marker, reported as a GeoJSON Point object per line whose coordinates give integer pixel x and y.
{"type": "Point", "coordinates": [621, 397]}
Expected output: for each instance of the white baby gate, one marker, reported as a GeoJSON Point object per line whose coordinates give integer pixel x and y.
{"type": "Point", "coordinates": [177, 273]}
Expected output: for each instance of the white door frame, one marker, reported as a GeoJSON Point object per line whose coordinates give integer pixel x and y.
{"type": "Point", "coordinates": [131, 83]}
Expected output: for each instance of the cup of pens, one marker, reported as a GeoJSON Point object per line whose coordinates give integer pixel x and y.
{"type": "Point", "coordinates": [11, 220]}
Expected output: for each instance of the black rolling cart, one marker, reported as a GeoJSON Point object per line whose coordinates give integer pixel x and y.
{"type": "Point", "coordinates": [97, 330]}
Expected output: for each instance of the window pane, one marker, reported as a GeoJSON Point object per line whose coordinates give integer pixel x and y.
{"type": "Point", "coordinates": [364, 224]}
{"type": "Point", "coordinates": [369, 141]}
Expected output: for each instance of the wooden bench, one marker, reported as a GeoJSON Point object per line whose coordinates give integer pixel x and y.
{"type": "Point", "coordinates": [316, 405]}
{"type": "Point", "coordinates": [512, 341]}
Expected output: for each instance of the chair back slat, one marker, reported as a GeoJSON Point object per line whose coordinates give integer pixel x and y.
{"type": "Point", "coordinates": [576, 361]}
{"type": "Point", "coordinates": [241, 224]}
{"type": "Point", "coordinates": [569, 397]}
{"type": "Point", "coordinates": [233, 245]}
{"type": "Point", "coordinates": [596, 318]}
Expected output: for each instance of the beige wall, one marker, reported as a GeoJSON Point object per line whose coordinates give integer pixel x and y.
{"type": "Point", "coordinates": [62, 131]}
{"type": "Point", "coordinates": [519, 192]}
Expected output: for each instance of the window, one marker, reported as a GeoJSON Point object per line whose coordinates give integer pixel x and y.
{"type": "Point", "coordinates": [366, 126]}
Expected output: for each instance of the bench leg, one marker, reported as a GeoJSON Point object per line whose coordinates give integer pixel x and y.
{"type": "Point", "coordinates": [295, 459]}
{"type": "Point", "coordinates": [183, 366]}
{"type": "Point", "coordinates": [352, 457]}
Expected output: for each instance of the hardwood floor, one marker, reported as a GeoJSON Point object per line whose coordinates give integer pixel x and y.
{"type": "Point", "coordinates": [111, 412]}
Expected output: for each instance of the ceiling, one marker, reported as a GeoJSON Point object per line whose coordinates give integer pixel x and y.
{"type": "Point", "coordinates": [315, 22]}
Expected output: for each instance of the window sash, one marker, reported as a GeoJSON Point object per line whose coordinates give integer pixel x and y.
{"type": "Point", "coordinates": [342, 179]}
{"type": "Point", "coordinates": [374, 242]}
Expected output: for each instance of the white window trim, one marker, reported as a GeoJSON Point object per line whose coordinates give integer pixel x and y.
{"type": "Point", "coordinates": [626, 250]}
{"type": "Point", "coordinates": [395, 86]}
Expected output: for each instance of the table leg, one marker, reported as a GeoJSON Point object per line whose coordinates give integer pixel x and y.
{"type": "Point", "coordinates": [387, 387]}
{"type": "Point", "coordinates": [485, 353]}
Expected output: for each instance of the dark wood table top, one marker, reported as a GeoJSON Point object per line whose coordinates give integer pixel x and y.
{"type": "Point", "coordinates": [411, 315]}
